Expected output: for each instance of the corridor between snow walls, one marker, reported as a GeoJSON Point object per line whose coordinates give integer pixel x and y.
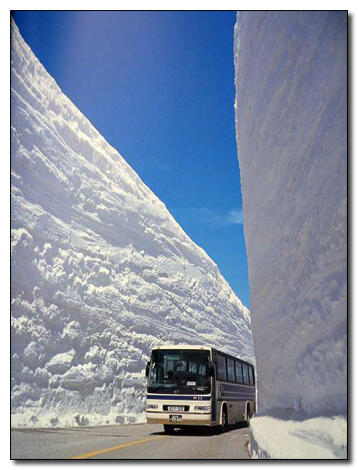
{"type": "Point", "coordinates": [101, 271]}
{"type": "Point", "coordinates": [291, 124]}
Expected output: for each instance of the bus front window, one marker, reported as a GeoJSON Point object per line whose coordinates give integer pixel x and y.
{"type": "Point", "coordinates": [179, 371]}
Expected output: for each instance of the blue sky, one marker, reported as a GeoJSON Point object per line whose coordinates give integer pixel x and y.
{"type": "Point", "coordinates": [159, 86]}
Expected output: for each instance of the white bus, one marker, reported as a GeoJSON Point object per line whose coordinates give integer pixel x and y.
{"type": "Point", "coordinates": [198, 385]}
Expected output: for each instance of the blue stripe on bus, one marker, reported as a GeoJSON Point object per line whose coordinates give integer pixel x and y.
{"type": "Point", "coordinates": [178, 397]}
{"type": "Point", "coordinates": [235, 399]}
{"type": "Point", "coordinates": [239, 397]}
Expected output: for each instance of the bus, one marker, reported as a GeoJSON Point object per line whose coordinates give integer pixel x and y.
{"type": "Point", "coordinates": [198, 386]}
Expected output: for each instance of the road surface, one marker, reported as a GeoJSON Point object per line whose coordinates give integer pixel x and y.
{"type": "Point", "coordinates": [133, 441]}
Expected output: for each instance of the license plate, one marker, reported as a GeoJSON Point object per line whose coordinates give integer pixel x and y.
{"type": "Point", "coordinates": [176, 408]}
{"type": "Point", "coordinates": [175, 418]}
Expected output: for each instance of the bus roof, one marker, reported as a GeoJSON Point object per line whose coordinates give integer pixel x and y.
{"type": "Point", "coordinates": [183, 346]}
{"type": "Point", "coordinates": [199, 347]}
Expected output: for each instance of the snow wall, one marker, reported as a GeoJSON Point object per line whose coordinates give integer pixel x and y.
{"type": "Point", "coordinates": [101, 272]}
{"type": "Point", "coordinates": [291, 134]}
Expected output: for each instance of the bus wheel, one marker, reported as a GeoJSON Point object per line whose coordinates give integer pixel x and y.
{"type": "Point", "coordinates": [248, 416]}
{"type": "Point", "coordinates": [168, 428]}
{"type": "Point", "coordinates": [224, 419]}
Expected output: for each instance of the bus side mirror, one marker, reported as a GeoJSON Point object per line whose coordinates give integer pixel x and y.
{"type": "Point", "coordinates": [211, 370]}
{"type": "Point", "coordinates": [147, 369]}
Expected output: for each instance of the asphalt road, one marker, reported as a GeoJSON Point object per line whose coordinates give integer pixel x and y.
{"type": "Point", "coordinates": [133, 441]}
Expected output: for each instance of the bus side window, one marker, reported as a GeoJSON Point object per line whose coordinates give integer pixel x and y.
{"type": "Point", "coordinates": [230, 370]}
{"type": "Point", "coordinates": [221, 367]}
{"type": "Point", "coordinates": [245, 373]}
{"type": "Point", "coordinates": [251, 377]}
{"type": "Point", "coordinates": [238, 372]}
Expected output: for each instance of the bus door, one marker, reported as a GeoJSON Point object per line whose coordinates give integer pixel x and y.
{"type": "Point", "coordinates": [213, 394]}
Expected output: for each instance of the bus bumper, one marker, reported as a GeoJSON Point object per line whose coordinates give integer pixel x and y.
{"type": "Point", "coordinates": [189, 419]}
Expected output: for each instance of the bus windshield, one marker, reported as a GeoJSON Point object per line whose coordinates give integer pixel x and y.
{"type": "Point", "coordinates": [179, 371]}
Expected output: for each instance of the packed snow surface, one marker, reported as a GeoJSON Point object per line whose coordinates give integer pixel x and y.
{"type": "Point", "coordinates": [283, 436]}
{"type": "Point", "coordinates": [291, 112]}
{"type": "Point", "coordinates": [101, 272]}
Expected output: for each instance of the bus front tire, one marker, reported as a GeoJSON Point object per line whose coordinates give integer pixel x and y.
{"type": "Point", "coordinates": [168, 428]}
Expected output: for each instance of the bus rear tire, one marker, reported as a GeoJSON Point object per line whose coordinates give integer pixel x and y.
{"type": "Point", "coordinates": [168, 428]}
{"type": "Point", "coordinates": [247, 421]}
{"type": "Point", "coordinates": [224, 420]}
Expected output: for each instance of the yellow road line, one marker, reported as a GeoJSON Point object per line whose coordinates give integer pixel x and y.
{"type": "Point", "coordinates": [120, 446]}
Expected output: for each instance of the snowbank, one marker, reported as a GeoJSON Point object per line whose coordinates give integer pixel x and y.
{"type": "Point", "coordinates": [101, 272]}
{"type": "Point", "coordinates": [291, 133]}
{"type": "Point", "coordinates": [289, 437]}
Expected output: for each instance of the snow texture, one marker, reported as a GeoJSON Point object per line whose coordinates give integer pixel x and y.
{"type": "Point", "coordinates": [101, 272]}
{"type": "Point", "coordinates": [291, 126]}
{"type": "Point", "coordinates": [291, 133]}
{"type": "Point", "coordinates": [287, 437]}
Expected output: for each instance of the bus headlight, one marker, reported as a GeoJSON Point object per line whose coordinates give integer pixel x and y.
{"type": "Point", "coordinates": [202, 408]}
{"type": "Point", "coordinates": [152, 407]}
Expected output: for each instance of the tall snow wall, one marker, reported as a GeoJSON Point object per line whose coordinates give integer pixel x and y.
{"type": "Point", "coordinates": [291, 134]}
{"type": "Point", "coordinates": [101, 272]}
